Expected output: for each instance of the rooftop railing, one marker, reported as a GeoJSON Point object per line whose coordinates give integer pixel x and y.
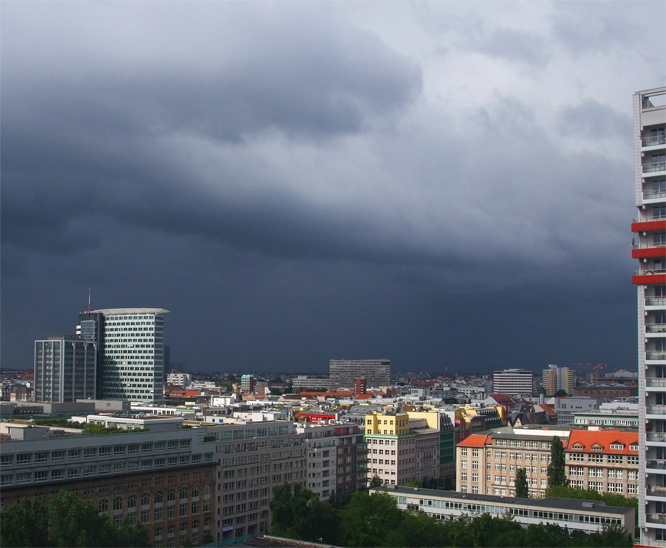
{"type": "Point", "coordinates": [654, 166]}
{"type": "Point", "coordinates": [655, 140]}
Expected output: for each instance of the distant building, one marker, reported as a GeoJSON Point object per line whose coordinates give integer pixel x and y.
{"type": "Point", "coordinates": [513, 382]}
{"type": "Point", "coordinates": [65, 369]}
{"type": "Point", "coordinates": [566, 407]}
{"type": "Point", "coordinates": [360, 386]}
{"type": "Point", "coordinates": [376, 372]}
{"type": "Point", "coordinates": [179, 379]}
{"type": "Point", "coordinates": [248, 384]}
{"type": "Point", "coordinates": [557, 378]}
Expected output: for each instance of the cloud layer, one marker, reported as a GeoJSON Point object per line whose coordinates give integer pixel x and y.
{"type": "Point", "coordinates": [431, 182]}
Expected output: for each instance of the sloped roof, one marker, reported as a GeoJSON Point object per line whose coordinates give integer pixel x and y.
{"type": "Point", "coordinates": [604, 439]}
{"type": "Point", "coordinates": [475, 440]}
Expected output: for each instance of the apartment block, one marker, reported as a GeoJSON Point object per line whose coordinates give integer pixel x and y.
{"type": "Point", "coordinates": [253, 459]}
{"type": "Point", "coordinates": [336, 459]}
{"type": "Point", "coordinates": [402, 445]}
{"type": "Point", "coordinates": [557, 378]}
{"type": "Point", "coordinates": [487, 463]}
{"type": "Point", "coordinates": [603, 460]}
{"type": "Point", "coordinates": [649, 250]}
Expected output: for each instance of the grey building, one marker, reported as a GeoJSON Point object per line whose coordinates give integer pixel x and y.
{"type": "Point", "coordinates": [65, 369]}
{"type": "Point", "coordinates": [376, 372]}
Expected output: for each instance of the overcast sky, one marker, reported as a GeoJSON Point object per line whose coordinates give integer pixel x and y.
{"type": "Point", "coordinates": [445, 184]}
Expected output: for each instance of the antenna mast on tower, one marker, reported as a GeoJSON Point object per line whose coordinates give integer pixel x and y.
{"type": "Point", "coordinates": [88, 300]}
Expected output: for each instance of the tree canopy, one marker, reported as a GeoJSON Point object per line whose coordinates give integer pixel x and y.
{"type": "Point", "coordinates": [557, 475]}
{"type": "Point", "coordinates": [65, 521]}
{"type": "Point", "coordinates": [374, 520]}
{"type": "Point", "coordinates": [522, 489]}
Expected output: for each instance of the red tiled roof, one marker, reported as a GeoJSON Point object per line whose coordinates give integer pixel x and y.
{"type": "Point", "coordinates": [501, 398]}
{"type": "Point", "coordinates": [475, 440]}
{"type": "Point", "coordinates": [603, 438]}
{"type": "Point", "coordinates": [363, 397]}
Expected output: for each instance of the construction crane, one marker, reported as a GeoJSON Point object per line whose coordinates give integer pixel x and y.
{"type": "Point", "coordinates": [595, 366]}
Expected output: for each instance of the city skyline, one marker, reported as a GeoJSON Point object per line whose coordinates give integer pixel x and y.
{"type": "Point", "coordinates": [443, 184]}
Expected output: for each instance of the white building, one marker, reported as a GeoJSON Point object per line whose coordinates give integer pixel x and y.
{"type": "Point", "coordinates": [650, 280]}
{"type": "Point", "coordinates": [130, 351]}
{"type": "Point", "coordinates": [180, 379]}
{"type": "Point", "coordinates": [376, 372]}
{"type": "Point", "coordinates": [513, 382]}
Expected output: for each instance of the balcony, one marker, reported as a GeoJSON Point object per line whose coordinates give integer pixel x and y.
{"type": "Point", "coordinates": [648, 250]}
{"type": "Point", "coordinates": [654, 194]}
{"type": "Point", "coordinates": [655, 355]}
{"type": "Point", "coordinates": [656, 436]}
{"type": "Point", "coordinates": [656, 410]}
{"type": "Point", "coordinates": [655, 328]}
{"type": "Point", "coordinates": [656, 518]}
{"type": "Point", "coordinates": [654, 141]}
{"type": "Point", "coordinates": [649, 277]}
{"type": "Point", "coordinates": [656, 490]}
{"type": "Point", "coordinates": [659, 464]}
{"type": "Point", "coordinates": [655, 382]}
{"type": "Point", "coordinates": [654, 166]}
{"type": "Point", "coordinates": [655, 301]}
{"type": "Point", "coordinates": [648, 223]}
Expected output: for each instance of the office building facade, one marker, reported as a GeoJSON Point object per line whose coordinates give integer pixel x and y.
{"type": "Point", "coordinates": [376, 372]}
{"type": "Point", "coordinates": [513, 382]}
{"type": "Point", "coordinates": [130, 356]}
{"type": "Point", "coordinates": [649, 249]}
{"type": "Point", "coordinates": [65, 369]}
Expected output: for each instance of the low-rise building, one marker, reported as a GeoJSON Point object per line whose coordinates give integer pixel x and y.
{"type": "Point", "coordinates": [574, 514]}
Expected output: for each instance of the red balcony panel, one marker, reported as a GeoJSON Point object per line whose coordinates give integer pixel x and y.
{"type": "Point", "coordinates": [648, 252]}
{"type": "Point", "coordinates": [648, 226]}
{"type": "Point", "coordinates": [649, 279]}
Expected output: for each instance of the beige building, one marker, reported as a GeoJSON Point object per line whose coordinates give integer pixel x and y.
{"type": "Point", "coordinates": [487, 463]}
{"type": "Point", "coordinates": [557, 378]}
{"type": "Point", "coordinates": [402, 445]}
{"type": "Point", "coordinates": [603, 460]}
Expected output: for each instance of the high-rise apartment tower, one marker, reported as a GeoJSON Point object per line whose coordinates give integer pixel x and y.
{"type": "Point", "coordinates": [649, 248]}
{"type": "Point", "coordinates": [376, 372]}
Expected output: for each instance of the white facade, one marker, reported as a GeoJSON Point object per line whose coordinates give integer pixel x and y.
{"type": "Point", "coordinates": [180, 379]}
{"type": "Point", "coordinates": [513, 382]}
{"type": "Point", "coordinates": [133, 362]}
{"type": "Point", "coordinates": [376, 372]}
{"type": "Point", "coordinates": [650, 279]}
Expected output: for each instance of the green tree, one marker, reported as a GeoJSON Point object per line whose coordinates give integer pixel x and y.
{"type": "Point", "coordinates": [25, 524]}
{"type": "Point", "coordinates": [64, 521]}
{"type": "Point", "coordinates": [375, 482]}
{"type": "Point", "coordinates": [367, 519]}
{"type": "Point", "coordinates": [556, 468]}
{"type": "Point", "coordinates": [522, 489]}
{"type": "Point", "coordinates": [414, 481]}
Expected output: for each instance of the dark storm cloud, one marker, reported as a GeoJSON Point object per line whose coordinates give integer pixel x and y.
{"type": "Point", "coordinates": [298, 182]}
{"type": "Point", "coordinates": [594, 121]}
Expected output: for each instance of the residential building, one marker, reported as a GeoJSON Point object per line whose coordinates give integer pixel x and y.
{"type": "Point", "coordinates": [65, 369]}
{"type": "Point", "coordinates": [650, 281]}
{"type": "Point", "coordinates": [179, 379]}
{"type": "Point", "coordinates": [130, 351]}
{"type": "Point", "coordinates": [163, 478]}
{"type": "Point", "coordinates": [487, 463]}
{"type": "Point", "coordinates": [623, 419]}
{"type": "Point", "coordinates": [557, 378]}
{"type": "Point", "coordinates": [248, 384]}
{"type": "Point", "coordinates": [336, 458]}
{"type": "Point", "coordinates": [573, 514]}
{"type": "Point", "coordinates": [402, 445]}
{"type": "Point", "coordinates": [513, 382]}
{"type": "Point", "coordinates": [253, 459]}
{"type": "Point", "coordinates": [603, 460]}
{"type": "Point", "coordinates": [376, 372]}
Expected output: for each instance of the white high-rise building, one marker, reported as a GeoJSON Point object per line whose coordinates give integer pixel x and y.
{"type": "Point", "coordinates": [131, 351]}
{"type": "Point", "coordinates": [513, 382]}
{"type": "Point", "coordinates": [650, 279]}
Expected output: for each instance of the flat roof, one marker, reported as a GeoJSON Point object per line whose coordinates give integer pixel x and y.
{"type": "Point", "coordinates": [119, 311]}
{"type": "Point", "coordinates": [552, 503]}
